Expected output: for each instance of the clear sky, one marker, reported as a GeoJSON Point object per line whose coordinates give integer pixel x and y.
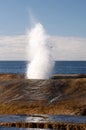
{"type": "Point", "coordinates": [60, 18]}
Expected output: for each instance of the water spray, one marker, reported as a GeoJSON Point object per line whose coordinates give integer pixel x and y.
{"type": "Point", "coordinates": [41, 63]}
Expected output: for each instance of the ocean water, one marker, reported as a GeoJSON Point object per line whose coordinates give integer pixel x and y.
{"type": "Point", "coordinates": [43, 118]}
{"type": "Point", "coordinates": [61, 67]}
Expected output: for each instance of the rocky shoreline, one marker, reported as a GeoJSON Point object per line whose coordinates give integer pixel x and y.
{"type": "Point", "coordinates": [48, 125]}
{"type": "Point", "coordinates": [63, 94]}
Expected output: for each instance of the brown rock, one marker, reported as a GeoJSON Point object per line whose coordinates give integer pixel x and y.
{"type": "Point", "coordinates": [63, 94]}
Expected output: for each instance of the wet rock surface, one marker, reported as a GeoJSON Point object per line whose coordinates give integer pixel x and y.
{"type": "Point", "coordinates": [63, 94]}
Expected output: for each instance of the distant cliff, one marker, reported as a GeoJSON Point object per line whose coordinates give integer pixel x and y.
{"type": "Point", "coordinates": [63, 94]}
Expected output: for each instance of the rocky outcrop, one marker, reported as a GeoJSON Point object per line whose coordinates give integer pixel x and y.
{"type": "Point", "coordinates": [46, 125]}
{"type": "Point", "coordinates": [63, 94]}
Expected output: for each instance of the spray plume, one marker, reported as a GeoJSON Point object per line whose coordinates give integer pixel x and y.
{"type": "Point", "coordinates": [39, 54]}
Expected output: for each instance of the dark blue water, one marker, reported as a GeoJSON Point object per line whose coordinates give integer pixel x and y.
{"type": "Point", "coordinates": [61, 67]}
{"type": "Point", "coordinates": [13, 67]}
{"type": "Point", "coordinates": [70, 67]}
{"type": "Point", "coordinates": [43, 118]}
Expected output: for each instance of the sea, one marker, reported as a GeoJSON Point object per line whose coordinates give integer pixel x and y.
{"type": "Point", "coordinates": [61, 67]}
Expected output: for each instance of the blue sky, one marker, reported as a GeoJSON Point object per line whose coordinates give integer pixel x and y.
{"type": "Point", "coordinates": [59, 17]}
{"type": "Point", "coordinates": [63, 20]}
